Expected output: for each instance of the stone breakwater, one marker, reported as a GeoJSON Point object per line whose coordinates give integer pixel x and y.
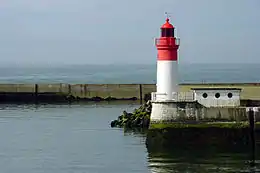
{"type": "Point", "coordinates": [250, 92]}
{"type": "Point", "coordinates": [139, 118]}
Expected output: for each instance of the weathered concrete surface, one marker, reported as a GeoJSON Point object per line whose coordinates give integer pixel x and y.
{"type": "Point", "coordinates": [17, 88]}
{"type": "Point", "coordinates": [168, 112]}
{"type": "Point", "coordinates": [172, 111]}
{"type": "Point", "coordinates": [138, 91]}
{"type": "Point", "coordinates": [104, 90]}
{"type": "Point", "coordinates": [52, 88]}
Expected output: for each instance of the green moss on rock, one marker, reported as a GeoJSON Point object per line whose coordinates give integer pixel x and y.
{"type": "Point", "coordinates": [140, 118]}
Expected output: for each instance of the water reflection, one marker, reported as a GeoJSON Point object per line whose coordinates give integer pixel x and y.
{"type": "Point", "coordinates": [192, 157]}
{"type": "Point", "coordinates": [169, 154]}
{"type": "Point", "coordinates": [201, 159]}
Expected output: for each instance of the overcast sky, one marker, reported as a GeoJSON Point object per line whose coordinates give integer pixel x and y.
{"type": "Point", "coordinates": [123, 31]}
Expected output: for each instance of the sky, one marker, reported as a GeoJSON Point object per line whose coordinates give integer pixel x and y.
{"type": "Point", "coordinates": [123, 31]}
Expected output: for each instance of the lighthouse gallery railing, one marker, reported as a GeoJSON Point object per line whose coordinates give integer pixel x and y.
{"type": "Point", "coordinates": [169, 41]}
{"type": "Point", "coordinates": [180, 96]}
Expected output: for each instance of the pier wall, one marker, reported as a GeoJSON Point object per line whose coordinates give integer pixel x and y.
{"type": "Point", "coordinates": [250, 91]}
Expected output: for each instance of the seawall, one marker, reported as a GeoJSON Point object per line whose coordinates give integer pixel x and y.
{"type": "Point", "coordinates": [64, 92]}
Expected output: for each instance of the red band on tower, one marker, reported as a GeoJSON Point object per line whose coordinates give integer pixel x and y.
{"type": "Point", "coordinates": [167, 45]}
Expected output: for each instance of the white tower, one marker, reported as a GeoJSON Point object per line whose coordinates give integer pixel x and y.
{"type": "Point", "coordinates": [167, 64]}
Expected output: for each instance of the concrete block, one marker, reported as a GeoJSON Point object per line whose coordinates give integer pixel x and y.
{"type": "Point", "coordinates": [52, 88]}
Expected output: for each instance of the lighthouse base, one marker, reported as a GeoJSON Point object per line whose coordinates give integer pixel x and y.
{"type": "Point", "coordinates": [170, 111]}
{"type": "Point", "coordinates": [191, 113]}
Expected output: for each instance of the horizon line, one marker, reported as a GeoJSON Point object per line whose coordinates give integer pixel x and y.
{"type": "Point", "coordinates": [118, 63]}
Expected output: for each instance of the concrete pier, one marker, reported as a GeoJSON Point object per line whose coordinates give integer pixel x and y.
{"type": "Point", "coordinates": [195, 115]}
{"type": "Point", "coordinates": [250, 92]}
{"type": "Point", "coordinates": [206, 127]}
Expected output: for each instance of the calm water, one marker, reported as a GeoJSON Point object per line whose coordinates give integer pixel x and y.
{"type": "Point", "coordinates": [78, 139]}
{"type": "Point", "coordinates": [189, 73]}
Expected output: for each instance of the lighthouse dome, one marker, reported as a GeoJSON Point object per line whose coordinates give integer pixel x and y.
{"type": "Point", "coordinates": [167, 24]}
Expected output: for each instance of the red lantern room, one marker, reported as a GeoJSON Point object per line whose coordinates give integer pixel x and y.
{"type": "Point", "coordinates": [167, 29]}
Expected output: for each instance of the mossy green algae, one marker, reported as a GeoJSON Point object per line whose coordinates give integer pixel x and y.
{"type": "Point", "coordinates": [237, 133]}
{"type": "Point", "coordinates": [204, 125]}
{"type": "Point", "coordinates": [140, 118]}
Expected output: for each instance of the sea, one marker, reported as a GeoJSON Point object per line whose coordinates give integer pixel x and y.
{"type": "Point", "coordinates": [77, 138]}
{"type": "Point", "coordinates": [128, 73]}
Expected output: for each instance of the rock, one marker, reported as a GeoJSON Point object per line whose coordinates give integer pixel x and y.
{"type": "Point", "coordinates": [114, 123]}
{"type": "Point", "coordinates": [146, 121]}
{"type": "Point", "coordinates": [140, 118]}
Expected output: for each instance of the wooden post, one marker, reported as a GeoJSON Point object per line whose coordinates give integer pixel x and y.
{"type": "Point", "coordinates": [69, 93]}
{"type": "Point", "coordinates": [69, 89]}
{"type": "Point", "coordinates": [36, 91]}
{"type": "Point", "coordinates": [251, 119]}
{"type": "Point", "coordinates": [85, 90]}
{"type": "Point", "coordinates": [141, 93]}
{"type": "Point", "coordinates": [60, 88]}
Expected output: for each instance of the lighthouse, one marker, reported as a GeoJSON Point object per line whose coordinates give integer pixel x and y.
{"type": "Point", "coordinates": [167, 98]}
{"type": "Point", "coordinates": [169, 105]}
{"type": "Point", "coordinates": [167, 63]}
